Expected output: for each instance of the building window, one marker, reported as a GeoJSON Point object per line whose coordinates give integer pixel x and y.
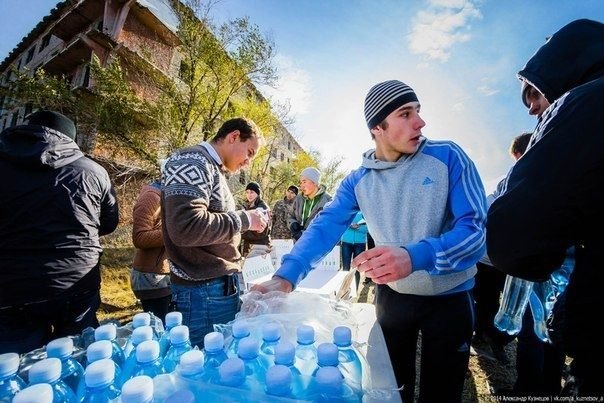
{"type": "Point", "coordinates": [45, 42]}
{"type": "Point", "coordinates": [30, 54]}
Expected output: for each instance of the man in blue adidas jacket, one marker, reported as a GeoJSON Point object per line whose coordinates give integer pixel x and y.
{"type": "Point", "coordinates": [425, 206]}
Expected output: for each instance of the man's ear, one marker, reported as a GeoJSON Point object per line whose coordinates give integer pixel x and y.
{"type": "Point", "coordinates": [233, 136]}
{"type": "Point", "coordinates": [376, 130]}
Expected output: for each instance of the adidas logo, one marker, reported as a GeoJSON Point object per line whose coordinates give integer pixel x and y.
{"type": "Point", "coordinates": [427, 181]}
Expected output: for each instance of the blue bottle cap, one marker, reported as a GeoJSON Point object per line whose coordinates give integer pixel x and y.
{"type": "Point", "coordinates": [191, 363]}
{"type": "Point", "coordinates": [271, 332]}
{"type": "Point", "coordinates": [232, 372]}
{"type": "Point", "coordinates": [213, 342]}
{"type": "Point", "coordinates": [141, 334]}
{"type": "Point", "coordinates": [105, 332]}
{"type": "Point", "coordinates": [99, 373]}
{"type": "Point", "coordinates": [141, 319]}
{"type": "Point", "coordinates": [248, 348]}
{"type": "Point", "coordinates": [179, 334]}
{"type": "Point", "coordinates": [60, 348]}
{"type": "Point", "coordinates": [173, 319]}
{"type": "Point", "coordinates": [278, 380]}
{"type": "Point", "coordinates": [9, 364]}
{"type": "Point", "coordinates": [305, 334]}
{"type": "Point", "coordinates": [99, 350]}
{"type": "Point", "coordinates": [327, 354]}
{"type": "Point", "coordinates": [285, 353]}
{"type": "Point", "coordinates": [39, 393]}
{"type": "Point", "coordinates": [329, 379]}
{"type": "Point", "coordinates": [45, 371]}
{"type": "Point", "coordinates": [147, 351]}
{"type": "Point", "coordinates": [138, 389]}
{"type": "Point", "coordinates": [181, 396]}
{"type": "Point", "coordinates": [342, 336]}
{"type": "Point", "coordinates": [241, 329]}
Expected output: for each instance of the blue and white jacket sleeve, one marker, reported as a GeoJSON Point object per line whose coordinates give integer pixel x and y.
{"type": "Point", "coordinates": [463, 243]}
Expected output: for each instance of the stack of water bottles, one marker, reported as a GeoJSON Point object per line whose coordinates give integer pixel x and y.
{"type": "Point", "coordinates": [257, 364]}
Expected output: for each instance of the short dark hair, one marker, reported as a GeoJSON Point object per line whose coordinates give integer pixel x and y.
{"type": "Point", "coordinates": [520, 143]}
{"type": "Point", "coordinates": [293, 189]}
{"type": "Point", "coordinates": [247, 129]}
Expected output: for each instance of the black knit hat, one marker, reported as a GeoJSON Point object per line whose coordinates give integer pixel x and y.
{"type": "Point", "coordinates": [55, 121]}
{"type": "Point", "coordinates": [293, 189]}
{"type": "Point", "coordinates": [383, 98]}
{"type": "Point", "coordinates": [253, 186]}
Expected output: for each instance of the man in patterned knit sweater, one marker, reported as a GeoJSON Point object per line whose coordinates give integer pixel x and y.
{"type": "Point", "coordinates": [202, 229]}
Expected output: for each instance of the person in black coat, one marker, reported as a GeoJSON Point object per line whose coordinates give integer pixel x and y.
{"type": "Point", "coordinates": [55, 204]}
{"type": "Point", "coordinates": [554, 194]}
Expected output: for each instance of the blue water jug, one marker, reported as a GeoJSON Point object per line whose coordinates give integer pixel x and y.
{"type": "Point", "coordinates": [10, 382]}
{"type": "Point", "coordinates": [255, 365]}
{"type": "Point", "coordinates": [329, 386]}
{"type": "Point", "coordinates": [139, 335]}
{"type": "Point", "coordinates": [280, 382]}
{"type": "Point", "coordinates": [350, 363]}
{"type": "Point", "coordinates": [232, 373]}
{"type": "Point", "coordinates": [306, 352]}
{"type": "Point", "coordinates": [38, 393]}
{"type": "Point", "coordinates": [71, 370]}
{"type": "Point", "coordinates": [271, 334]}
{"type": "Point", "coordinates": [180, 344]}
{"type": "Point", "coordinates": [138, 390]}
{"type": "Point", "coordinates": [173, 319]}
{"type": "Point", "coordinates": [109, 332]}
{"type": "Point", "coordinates": [327, 356]}
{"type": "Point", "coordinates": [240, 329]}
{"type": "Point", "coordinates": [148, 361]}
{"type": "Point", "coordinates": [100, 382]}
{"type": "Point", "coordinates": [49, 371]}
{"type": "Point", "coordinates": [99, 350]}
{"type": "Point", "coordinates": [214, 356]}
{"type": "Point", "coordinates": [191, 365]}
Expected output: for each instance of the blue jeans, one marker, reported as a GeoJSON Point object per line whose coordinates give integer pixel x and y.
{"type": "Point", "coordinates": [205, 304]}
{"type": "Point", "coordinates": [27, 327]}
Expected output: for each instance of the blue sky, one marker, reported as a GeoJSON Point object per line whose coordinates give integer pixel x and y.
{"type": "Point", "coordinates": [460, 56]}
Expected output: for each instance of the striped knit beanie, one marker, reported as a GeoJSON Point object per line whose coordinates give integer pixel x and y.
{"type": "Point", "coordinates": [384, 98]}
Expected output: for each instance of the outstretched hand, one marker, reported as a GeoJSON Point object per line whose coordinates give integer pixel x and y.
{"type": "Point", "coordinates": [274, 284]}
{"type": "Point", "coordinates": [384, 264]}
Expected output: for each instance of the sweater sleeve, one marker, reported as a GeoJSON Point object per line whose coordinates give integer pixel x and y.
{"type": "Point", "coordinates": [146, 224]}
{"type": "Point", "coordinates": [463, 244]}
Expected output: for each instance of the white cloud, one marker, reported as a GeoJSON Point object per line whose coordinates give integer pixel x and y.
{"type": "Point", "coordinates": [438, 29]}
{"type": "Point", "coordinates": [293, 87]}
{"type": "Point", "coordinates": [486, 87]}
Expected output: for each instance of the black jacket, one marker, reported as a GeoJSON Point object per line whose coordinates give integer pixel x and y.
{"type": "Point", "coordinates": [55, 203]}
{"type": "Point", "coordinates": [554, 195]}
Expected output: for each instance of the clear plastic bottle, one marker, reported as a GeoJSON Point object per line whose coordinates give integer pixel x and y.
{"type": "Point", "coordinates": [139, 335]}
{"type": "Point", "coordinates": [350, 363]}
{"type": "Point", "coordinates": [214, 356]}
{"type": "Point", "coordinates": [141, 319]}
{"type": "Point", "coordinates": [10, 382]}
{"type": "Point", "coordinates": [100, 382]}
{"type": "Point", "coordinates": [329, 386]}
{"type": "Point", "coordinates": [541, 293]}
{"type": "Point", "coordinates": [109, 332]}
{"type": "Point", "coordinates": [71, 370]}
{"type": "Point", "coordinates": [271, 334]}
{"type": "Point", "coordinates": [285, 354]}
{"type": "Point", "coordinates": [280, 382]}
{"type": "Point", "coordinates": [327, 356]}
{"type": "Point", "coordinates": [173, 319]}
{"type": "Point", "coordinates": [148, 361]}
{"type": "Point", "coordinates": [232, 373]}
{"type": "Point", "coordinates": [138, 390]}
{"type": "Point", "coordinates": [38, 393]}
{"type": "Point", "coordinates": [306, 352]}
{"type": "Point", "coordinates": [240, 330]}
{"type": "Point", "coordinates": [99, 350]}
{"type": "Point", "coordinates": [191, 365]}
{"type": "Point", "coordinates": [49, 371]}
{"type": "Point", "coordinates": [516, 293]}
{"type": "Point", "coordinates": [255, 365]}
{"type": "Point", "coordinates": [180, 344]}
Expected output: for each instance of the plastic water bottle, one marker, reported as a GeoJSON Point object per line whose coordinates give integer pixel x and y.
{"type": "Point", "coordinates": [139, 335]}
{"type": "Point", "coordinates": [99, 350]}
{"type": "Point", "coordinates": [240, 330]}
{"type": "Point", "coordinates": [71, 370]}
{"type": "Point", "coordinates": [327, 356]}
{"type": "Point", "coordinates": [191, 365]}
{"type": "Point", "coordinates": [285, 354]}
{"type": "Point", "coordinates": [329, 386]}
{"type": "Point", "coordinates": [179, 338]}
{"type": "Point", "coordinates": [100, 386]}
{"type": "Point", "coordinates": [350, 364]}
{"type": "Point", "coordinates": [173, 319]}
{"type": "Point", "coordinates": [148, 361]}
{"type": "Point", "coordinates": [38, 393]}
{"type": "Point", "coordinates": [542, 292]}
{"type": "Point", "coordinates": [214, 356]}
{"type": "Point", "coordinates": [255, 366]}
{"type": "Point", "coordinates": [138, 390]}
{"type": "Point", "coordinates": [181, 396]}
{"type": "Point", "coordinates": [232, 373]}
{"type": "Point", "coordinates": [109, 332]}
{"type": "Point", "coordinates": [516, 293]}
{"type": "Point", "coordinates": [10, 382]}
{"type": "Point", "coordinates": [49, 371]}
{"type": "Point", "coordinates": [306, 352]}
{"type": "Point", "coordinates": [280, 382]}
{"type": "Point", "coordinates": [141, 319]}
{"type": "Point", "coordinates": [271, 334]}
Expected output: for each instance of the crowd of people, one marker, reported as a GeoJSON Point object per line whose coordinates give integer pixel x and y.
{"type": "Point", "coordinates": [418, 203]}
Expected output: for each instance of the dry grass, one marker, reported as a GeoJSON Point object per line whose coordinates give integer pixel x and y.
{"type": "Point", "coordinates": [118, 303]}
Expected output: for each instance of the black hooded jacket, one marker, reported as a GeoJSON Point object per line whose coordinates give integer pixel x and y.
{"type": "Point", "coordinates": [54, 205]}
{"type": "Point", "coordinates": [554, 195]}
